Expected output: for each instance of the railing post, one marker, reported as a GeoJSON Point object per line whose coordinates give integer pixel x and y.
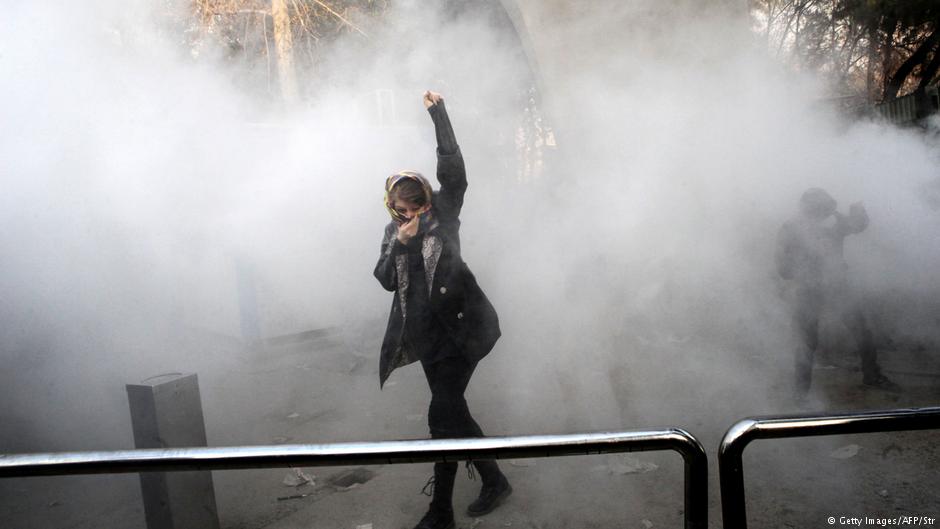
{"type": "Point", "coordinates": [731, 474]}
{"type": "Point", "coordinates": [696, 482]}
{"type": "Point", "coordinates": [731, 449]}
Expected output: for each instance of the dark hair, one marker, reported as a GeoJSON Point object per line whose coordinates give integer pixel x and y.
{"type": "Point", "coordinates": [409, 190]}
{"type": "Point", "coordinates": [816, 202]}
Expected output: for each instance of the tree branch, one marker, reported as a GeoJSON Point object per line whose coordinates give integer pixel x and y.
{"type": "Point", "coordinates": [896, 81]}
{"type": "Point", "coordinates": [337, 15]}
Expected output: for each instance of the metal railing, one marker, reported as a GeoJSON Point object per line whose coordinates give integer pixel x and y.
{"type": "Point", "coordinates": [385, 452]}
{"type": "Point", "coordinates": [730, 466]}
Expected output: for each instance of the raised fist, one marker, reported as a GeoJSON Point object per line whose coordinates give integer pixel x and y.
{"type": "Point", "coordinates": [431, 98]}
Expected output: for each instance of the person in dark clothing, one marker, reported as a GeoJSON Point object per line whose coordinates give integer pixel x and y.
{"type": "Point", "coordinates": [439, 316]}
{"type": "Point", "coordinates": [810, 256]}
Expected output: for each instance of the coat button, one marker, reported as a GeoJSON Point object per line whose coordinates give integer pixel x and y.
{"type": "Point", "coordinates": [443, 290]}
{"type": "Point", "coordinates": [460, 315]}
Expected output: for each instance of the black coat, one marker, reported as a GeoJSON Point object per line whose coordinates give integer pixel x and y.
{"type": "Point", "coordinates": [456, 300]}
{"type": "Point", "coordinates": [810, 252]}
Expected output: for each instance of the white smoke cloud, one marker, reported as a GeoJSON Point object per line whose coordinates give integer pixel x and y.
{"type": "Point", "coordinates": [138, 180]}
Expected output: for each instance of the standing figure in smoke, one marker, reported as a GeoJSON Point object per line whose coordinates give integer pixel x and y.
{"type": "Point", "coordinates": [440, 316]}
{"type": "Point", "coordinates": [809, 255]}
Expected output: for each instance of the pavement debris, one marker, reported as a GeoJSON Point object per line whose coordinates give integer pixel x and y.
{"type": "Point", "coordinates": [294, 496]}
{"type": "Point", "coordinates": [893, 447]}
{"type": "Point", "coordinates": [364, 526]}
{"type": "Point", "coordinates": [475, 523]}
{"type": "Point", "coordinates": [357, 365]}
{"type": "Point", "coordinates": [845, 452]}
{"type": "Point", "coordinates": [628, 464]}
{"type": "Point", "coordinates": [293, 415]}
{"type": "Point", "coordinates": [647, 524]}
{"type": "Point", "coordinates": [522, 462]}
{"type": "Point", "coordinates": [883, 493]}
{"type": "Point", "coordinates": [296, 477]}
{"type": "Point", "coordinates": [349, 479]}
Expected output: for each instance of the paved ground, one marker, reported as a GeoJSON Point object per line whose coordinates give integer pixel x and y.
{"type": "Point", "coordinates": [326, 390]}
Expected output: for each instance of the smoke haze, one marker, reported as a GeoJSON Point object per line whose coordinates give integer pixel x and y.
{"type": "Point", "coordinates": [633, 273]}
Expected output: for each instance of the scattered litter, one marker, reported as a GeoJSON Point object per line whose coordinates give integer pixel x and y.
{"type": "Point", "coordinates": [522, 462]}
{"type": "Point", "coordinates": [883, 493]}
{"type": "Point", "coordinates": [476, 522]}
{"type": "Point", "coordinates": [845, 452]}
{"type": "Point", "coordinates": [294, 497]}
{"type": "Point", "coordinates": [892, 447]}
{"type": "Point", "coordinates": [507, 524]}
{"type": "Point", "coordinates": [364, 526]}
{"type": "Point", "coordinates": [392, 383]}
{"type": "Point", "coordinates": [54, 503]}
{"type": "Point", "coordinates": [350, 479]}
{"type": "Point", "coordinates": [296, 477]}
{"type": "Point", "coordinates": [415, 417]}
{"type": "Point", "coordinates": [647, 524]}
{"type": "Point", "coordinates": [293, 415]}
{"type": "Point", "coordinates": [356, 364]}
{"type": "Point", "coordinates": [630, 465]}
{"type": "Point", "coordinates": [279, 440]}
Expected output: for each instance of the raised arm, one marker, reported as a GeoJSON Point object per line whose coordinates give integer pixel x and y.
{"type": "Point", "coordinates": [451, 173]}
{"type": "Point", "coordinates": [855, 222]}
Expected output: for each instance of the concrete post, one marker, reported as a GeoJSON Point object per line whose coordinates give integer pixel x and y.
{"type": "Point", "coordinates": [166, 412]}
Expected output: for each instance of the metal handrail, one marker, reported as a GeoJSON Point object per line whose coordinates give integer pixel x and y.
{"type": "Point", "coordinates": [730, 466]}
{"type": "Point", "coordinates": [384, 452]}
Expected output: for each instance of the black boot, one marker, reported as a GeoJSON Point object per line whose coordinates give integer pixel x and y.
{"type": "Point", "coordinates": [436, 520]}
{"type": "Point", "coordinates": [440, 514]}
{"type": "Point", "coordinates": [495, 489]}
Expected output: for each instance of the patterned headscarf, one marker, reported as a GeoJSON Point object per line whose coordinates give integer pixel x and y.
{"type": "Point", "coordinates": [393, 180]}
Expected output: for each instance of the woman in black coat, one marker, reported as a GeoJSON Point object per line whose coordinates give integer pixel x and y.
{"type": "Point", "coordinates": [439, 314]}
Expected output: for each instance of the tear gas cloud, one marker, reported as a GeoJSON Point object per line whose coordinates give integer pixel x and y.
{"type": "Point", "coordinates": [632, 274]}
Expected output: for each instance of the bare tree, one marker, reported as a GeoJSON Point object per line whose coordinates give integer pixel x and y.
{"type": "Point", "coordinates": [277, 41]}
{"type": "Point", "coordinates": [857, 44]}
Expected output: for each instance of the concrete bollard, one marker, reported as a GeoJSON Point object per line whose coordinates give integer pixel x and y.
{"type": "Point", "coordinates": [166, 412]}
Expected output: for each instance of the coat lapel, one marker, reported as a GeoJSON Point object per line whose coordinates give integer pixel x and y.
{"type": "Point", "coordinates": [431, 248]}
{"type": "Point", "coordinates": [401, 268]}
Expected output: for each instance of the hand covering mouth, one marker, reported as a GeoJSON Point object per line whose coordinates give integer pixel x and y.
{"type": "Point", "coordinates": [395, 179]}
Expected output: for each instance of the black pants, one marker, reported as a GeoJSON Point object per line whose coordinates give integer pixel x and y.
{"type": "Point", "coordinates": [449, 417]}
{"type": "Point", "coordinates": [808, 310]}
{"type": "Point", "coordinates": [448, 414]}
